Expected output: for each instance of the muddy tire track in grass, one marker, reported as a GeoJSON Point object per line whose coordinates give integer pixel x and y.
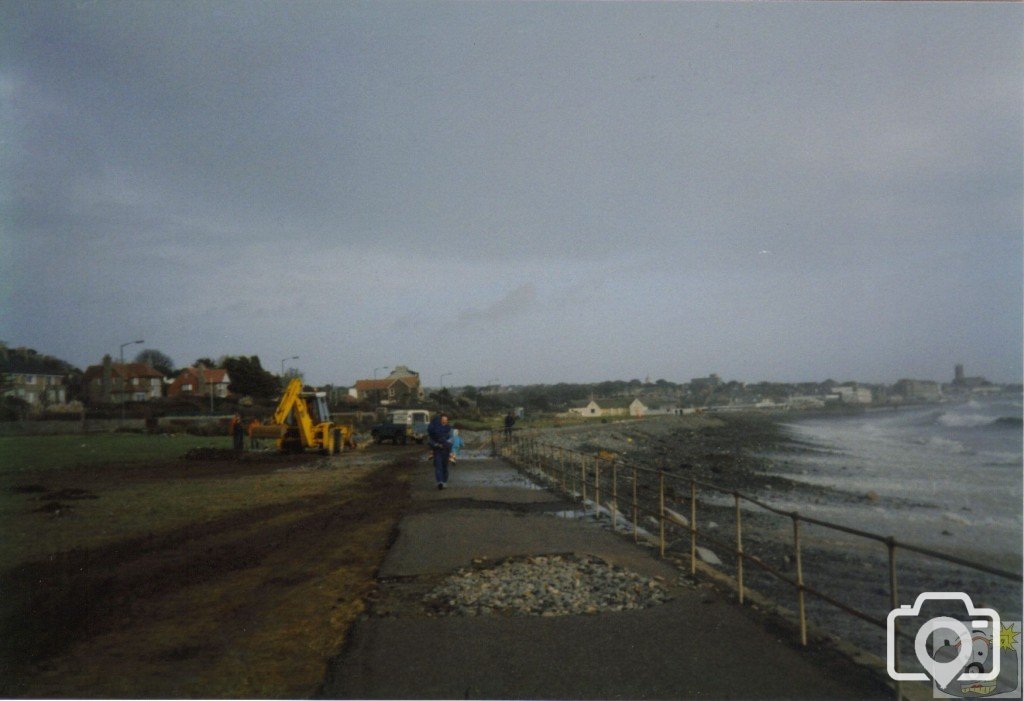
{"type": "Point", "coordinates": [168, 614]}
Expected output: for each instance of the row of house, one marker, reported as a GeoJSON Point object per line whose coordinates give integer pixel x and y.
{"type": "Point", "coordinates": [638, 408]}
{"type": "Point", "coordinates": [38, 382]}
{"type": "Point", "coordinates": [851, 394]}
{"type": "Point", "coordinates": [138, 382]}
{"type": "Point", "coordinates": [634, 407]}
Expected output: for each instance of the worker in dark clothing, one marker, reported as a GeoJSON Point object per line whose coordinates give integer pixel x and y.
{"type": "Point", "coordinates": [510, 421]}
{"type": "Point", "coordinates": [439, 437]}
{"type": "Point", "coordinates": [238, 432]}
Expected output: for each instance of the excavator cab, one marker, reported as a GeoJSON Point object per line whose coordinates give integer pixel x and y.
{"type": "Point", "coordinates": [316, 405]}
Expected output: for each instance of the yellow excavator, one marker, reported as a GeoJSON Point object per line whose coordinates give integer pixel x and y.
{"type": "Point", "coordinates": [302, 422]}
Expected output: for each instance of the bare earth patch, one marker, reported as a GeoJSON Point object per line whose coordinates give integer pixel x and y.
{"type": "Point", "coordinates": [246, 600]}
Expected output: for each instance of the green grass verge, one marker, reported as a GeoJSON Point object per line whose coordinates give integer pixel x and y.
{"type": "Point", "coordinates": [34, 453]}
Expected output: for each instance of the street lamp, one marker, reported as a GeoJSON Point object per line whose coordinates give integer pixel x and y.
{"type": "Point", "coordinates": [382, 367]}
{"type": "Point", "coordinates": [294, 357]}
{"type": "Point", "coordinates": [123, 378]}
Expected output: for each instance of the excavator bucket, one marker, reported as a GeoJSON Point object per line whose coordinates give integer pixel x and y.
{"type": "Point", "coordinates": [273, 431]}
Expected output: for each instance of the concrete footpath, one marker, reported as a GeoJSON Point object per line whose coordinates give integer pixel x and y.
{"type": "Point", "coordinates": [697, 645]}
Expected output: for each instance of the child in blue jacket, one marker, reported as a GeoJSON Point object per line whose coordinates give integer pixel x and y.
{"type": "Point", "coordinates": [457, 444]}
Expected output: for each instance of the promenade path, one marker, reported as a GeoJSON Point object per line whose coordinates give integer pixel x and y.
{"type": "Point", "coordinates": [697, 645]}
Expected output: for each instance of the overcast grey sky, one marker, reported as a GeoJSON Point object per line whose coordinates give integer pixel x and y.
{"type": "Point", "coordinates": [533, 192]}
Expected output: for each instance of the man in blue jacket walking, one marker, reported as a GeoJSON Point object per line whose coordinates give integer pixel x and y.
{"type": "Point", "coordinates": [439, 437]}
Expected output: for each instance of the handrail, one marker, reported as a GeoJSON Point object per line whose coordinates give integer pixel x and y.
{"type": "Point", "coordinates": [526, 449]}
{"type": "Point", "coordinates": [922, 550]}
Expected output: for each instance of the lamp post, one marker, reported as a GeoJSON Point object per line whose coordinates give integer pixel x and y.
{"type": "Point", "coordinates": [294, 357]}
{"type": "Point", "coordinates": [123, 378]}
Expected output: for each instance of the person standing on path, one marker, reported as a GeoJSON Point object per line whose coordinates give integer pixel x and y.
{"type": "Point", "coordinates": [510, 421]}
{"type": "Point", "coordinates": [439, 437]}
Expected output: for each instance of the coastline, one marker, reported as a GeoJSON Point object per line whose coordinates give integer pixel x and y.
{"type": "Point", "coordinates": [743, 452]}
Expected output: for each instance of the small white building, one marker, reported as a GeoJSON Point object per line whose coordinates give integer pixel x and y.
{"type": "Point", "coordinates": [610, 407]}
{"type": "Point", "coordinates": [853, 395]}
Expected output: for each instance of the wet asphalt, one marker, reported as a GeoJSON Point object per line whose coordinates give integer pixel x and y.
{"type": "Point", "coordinates": [697, 645]}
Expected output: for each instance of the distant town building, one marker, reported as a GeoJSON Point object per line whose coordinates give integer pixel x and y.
{"type": "Point", "coordinates": [853, 395]}
{"type": "Point", "coordinates": [119, 382]}
{"type": "Point", "coordinates": [710, 382]}
{"type": "Point", "coordinates": [200, 382]}
{"type": "Point", "coordinates": [610, 407]}
{"type": "Point", "coordinates": [402, 386]}
{"type": "Point", "coordinates": [32, 378]}
{"type": "Point", "coordinates": [918, 390]}
{"type": "Point", "coordinates": [962, 382]}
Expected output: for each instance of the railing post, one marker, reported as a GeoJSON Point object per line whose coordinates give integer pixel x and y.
{"type": "Point", "coordinates": [636, 511]}
{"type": "Point", "coordinates": [561, 468]}
{"type": "Point", "coordinates": [615, 494]}
{"type": "Point", "coordinates": [890, 542]}
{"type": "Point", "coordinates": [799, 578]}
{"type": "Point", "coordinates": [572, 469]}
{"type": "Point", "coordinates": [661, 509]}
{"type": "Point", "coordinates": [739, 548]}
{"type": "Point", "coordinates": [583, 482]}
{"type": "Point", "coordinates": [597, 486]}
{"type": "Point", "coordinates": [693, 527]}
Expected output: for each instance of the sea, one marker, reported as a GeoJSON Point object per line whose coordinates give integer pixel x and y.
{"type": "Point", "coordinates": [953, 471]}
{"type": "Point", "coordinates": [948, 477]}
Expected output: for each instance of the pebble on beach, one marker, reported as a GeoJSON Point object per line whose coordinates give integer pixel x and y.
{"type": "Point", "coordinates": [553, 585]}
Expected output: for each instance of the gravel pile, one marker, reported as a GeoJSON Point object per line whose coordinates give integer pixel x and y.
{"type": "Point", "coordinates": [554, 585]}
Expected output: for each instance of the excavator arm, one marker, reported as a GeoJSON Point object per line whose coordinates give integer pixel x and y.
{"type": "Point", "coordinates": [293, 426]}
{"type": "Point", "coordinates": [290, 402]}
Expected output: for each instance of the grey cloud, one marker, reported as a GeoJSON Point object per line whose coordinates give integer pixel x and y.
{"type": "Point", "coordinates": [516, 303]}
{"type": "Point", "coordinates": [362, 160]}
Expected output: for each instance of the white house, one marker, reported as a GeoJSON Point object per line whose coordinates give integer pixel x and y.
{"type": "Point", "coordinates": [610, 407]}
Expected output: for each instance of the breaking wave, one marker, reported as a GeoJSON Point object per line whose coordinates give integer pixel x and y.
{"type": "Point", "coordinates": [957, 420]}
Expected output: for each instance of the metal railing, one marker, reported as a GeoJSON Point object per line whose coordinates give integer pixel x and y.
{"type": "Point", "coordinates": [571, 472]}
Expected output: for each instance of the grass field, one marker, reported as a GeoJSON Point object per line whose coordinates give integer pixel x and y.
{"type": "Point", "coordinates": [37, 453]}
{"type": "Point", "coordinates": [63, 492]}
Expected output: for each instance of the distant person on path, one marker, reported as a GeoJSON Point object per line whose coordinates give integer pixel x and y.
{"type": "Point", "coordinates": [457, 444]}
{"type": "Point", "coordinates": [439, 437]}
{"type": "Point", "coordinates": [510, 421]}
{"type": "Point", "coordinates": [237, 432]}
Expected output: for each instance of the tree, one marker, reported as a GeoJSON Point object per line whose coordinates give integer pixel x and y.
{"type": "Point", "coordinates": [249, 378]}
{"type": "Point", "coordinates": [205, 363]}
{"type": "Point", "coordinates": [156, 360]}
{"type": "Point", "coordinates": [13, 409]}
